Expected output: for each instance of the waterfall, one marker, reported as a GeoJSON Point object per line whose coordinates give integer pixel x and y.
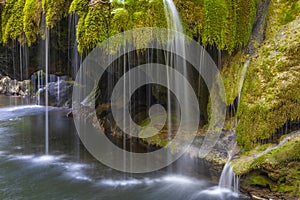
{"type": "Point", "coordinates": [241, 83]}
{"type": "Point", "coordinates": [58, 88]}
{"type": "Point", "coordinates": [75, 59]}
{"type": "Point", "coordinates": [228, 178]}
{"type": "Point", "coordinates": [172, 16]}
{"type": "Point", "coordinates": [176, 44]}
{"type": "Point", "coordinates": [21, 63]}
{"type": "Point", "coordinates": [46, 92]}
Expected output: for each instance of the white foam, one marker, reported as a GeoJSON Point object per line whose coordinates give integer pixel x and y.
{"type": "Point", "coordinates": [116, 183]}
{"type": "Point", "coordinates": [46, 159]}
{"type": "Point", "coordinates": [218, 191]}
{"type": "Point", "coordinates": [21, 157]}
{"type": "Point", "coordinates": [179, 179]}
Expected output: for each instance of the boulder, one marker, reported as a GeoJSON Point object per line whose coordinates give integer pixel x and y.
{"type": "Point", "coordinates": [59, 94]}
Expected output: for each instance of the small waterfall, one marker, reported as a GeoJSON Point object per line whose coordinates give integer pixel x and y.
{"type": "Point", "coordinates": [228, 178]}
{"type": "Point", "coordinates": [46, 92]}
{"type": "Point", "coordinates": [241, 83]}
{"type": "Point", "coordinates": [58, 88]}
{"type": "Point", "coordinates": [21, 63]}
{"type": "Point", "coordinates": [172, 16]}
{"type": "Point", "coordinates": [75, 59]}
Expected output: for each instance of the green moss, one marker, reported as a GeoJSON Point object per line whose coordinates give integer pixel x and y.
{"type": "Point", "coordinates": [278, 169]}
{"type": "Point", "coordinates": [271, 92]}
{"type": "Point", "coordinates": [12, 20]}
{"type": "Point", "coordinates": [106, 19]}
{"type": "Point", "coordinates": [276, 158]}
{"type": "Point", "coordinates": [260, 180]}
{"type": "Point", "coordinates": [231, 74]}
{"type": "Point", "coordinates": [228, 24]}
{"type": "Point", "coordinates": [32, 17]}
{"type": "Point", "coordinates": [192, 15]}
{"type": "Point", "coordinates": [80, 7]}
{"type": "Point", "coordinates": [54, 11]}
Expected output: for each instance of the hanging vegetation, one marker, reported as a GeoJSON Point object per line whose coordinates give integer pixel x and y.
{"type": "Point", "coordinates": [54, 11]}
{"type": "Point", "coordinates": [12, 20]}
{"type": "Point", "coordinates": [32, 20]}
{"type": "Point", "coordinates": [221, 23]}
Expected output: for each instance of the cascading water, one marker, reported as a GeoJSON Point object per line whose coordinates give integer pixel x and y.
{"type": "Point", "coordinates": [46, 92]}
{"type": "Point", "coordinates": [174, 45]}
{"type": "Point", "coordinates": [228, 178]}
{"type": "Point", "coordinates": [75, 59]}
{"type": "Point", "coordinates": [58, 88]}
{"type": "Point", "coordinates": [241, 83]}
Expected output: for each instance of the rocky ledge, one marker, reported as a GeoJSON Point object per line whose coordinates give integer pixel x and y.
{"type": "Point", "coordinates": [10, 86]}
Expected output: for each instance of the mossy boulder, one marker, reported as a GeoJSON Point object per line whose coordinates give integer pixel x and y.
{"type": "Point", "coordinates": [276, 169]}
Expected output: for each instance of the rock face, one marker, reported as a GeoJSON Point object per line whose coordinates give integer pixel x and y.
{"type": "Point", "coordinates": [59, 94]}
{"type": "Point", "coordinates": [9, 86]}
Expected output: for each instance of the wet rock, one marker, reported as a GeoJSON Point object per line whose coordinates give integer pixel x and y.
{"type": "Point", "coordinates": [59, 94]}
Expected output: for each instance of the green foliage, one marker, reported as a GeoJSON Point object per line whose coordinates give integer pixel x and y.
{"type": "Point", "coordinates": [54, 11]}
{"type": "Point", "coordinates": [228, 24]}
{"type": "Point", "coordinates": [106, 19]}
{"type": "Point", "coordinates": [31, 20]}
{"type": "Point", "coordinates": [289, 11]}
{"type": "Point", "coordinates": [12, 20]}
{"type": "Point", "coordinates": [191, 13]}
{"type": "Point", "coordinates": [80, 7]}
{"type": "Point", "coordinates": [93, 27]}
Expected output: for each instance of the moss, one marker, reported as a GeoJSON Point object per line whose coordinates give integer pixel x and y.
{"type": "Point", "coordinates": [231, 74]}
{"type": "Point", "coordinates": [80, 7]}
{"type": "Point", "coordinates": [276, 158]}
{"type": "Point", "coordinates": [271, 93]}
{"type": "Point", "coordinates": [161, 137]}
{"type": "Point", "coordinates": [106, 19]}
{"type": "Point", "coordinates": [260, 180]}
{"type": "Point", "coordinates": [278, 169]}
{"type": "Point", "coordinates": [192, 15]}
{"type": "Point", "coordinates": [32, 17]}
{"type": "Point", "coordinates": [12, 20]}
{"type": "Point", "coordinates": [54, 11]}
{"type": "Point", "coordinates": [228, 24]}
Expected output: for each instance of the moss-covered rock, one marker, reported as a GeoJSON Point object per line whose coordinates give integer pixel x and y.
{"type": "Point", "coordinates": [271, 94]}
{"type": "Point", "coordinates": [277, 168]}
